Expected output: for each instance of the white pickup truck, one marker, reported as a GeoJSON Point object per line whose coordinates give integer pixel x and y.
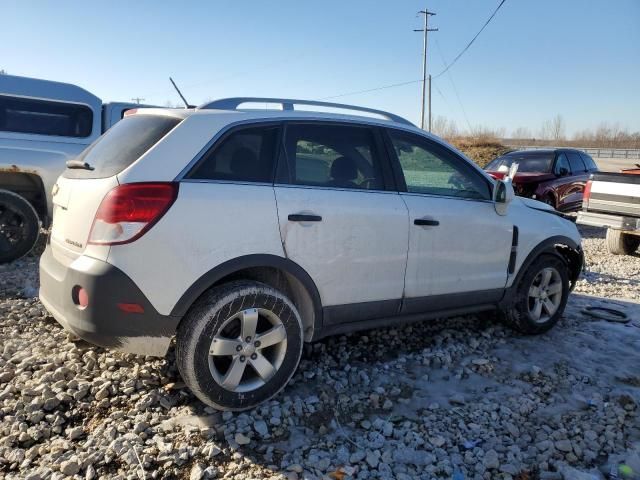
{"type": "Point", "coordinates": [612, 200]}
{"type": "Point", "coordinates": [43, 124]}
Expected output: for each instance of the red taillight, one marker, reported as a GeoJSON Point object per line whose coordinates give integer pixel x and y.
{"type": "Point", "coordinates": [80, 297]}
{"type": "Point", "coordinates": [128, 211]}
{"type": "Point", "coordinates": [587, 194]}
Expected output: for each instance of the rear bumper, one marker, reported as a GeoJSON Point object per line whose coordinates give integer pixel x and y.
{"type": "Point", "coordinates": [617, 222]}
{"type": "Point", "coordinates": [102, 322]}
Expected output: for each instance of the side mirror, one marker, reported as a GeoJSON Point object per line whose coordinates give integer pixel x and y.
{"type": "Point", "coordinates": [503, 195]}
{"type": "Point", "coordinates": [563, 172]}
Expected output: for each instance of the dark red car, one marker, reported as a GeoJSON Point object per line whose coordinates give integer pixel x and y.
{"type": "Point", "coordinates": [554, 176]}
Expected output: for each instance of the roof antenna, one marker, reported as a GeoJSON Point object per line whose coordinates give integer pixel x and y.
{"type": "Point", "coordinates": [186, 104]}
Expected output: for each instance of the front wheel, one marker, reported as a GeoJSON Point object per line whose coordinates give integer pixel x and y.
{"type": "Point", "coordinates": [541, 296]}
{"type": "Point", "coordinates": [620, 243]}
{"type": "Point", "coordinates": [239, 345]}
{"type": "Point", "coordinates": [19, 226]}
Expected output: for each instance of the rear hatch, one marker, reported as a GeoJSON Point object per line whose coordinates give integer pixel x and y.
{"type": "Point", "coordinates": [88, 178]}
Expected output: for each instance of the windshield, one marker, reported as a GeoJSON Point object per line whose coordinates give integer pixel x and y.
{"type": "Point", "coordinates": [121, 145]}
{"type": "Point", "coordinates": [528, 163]}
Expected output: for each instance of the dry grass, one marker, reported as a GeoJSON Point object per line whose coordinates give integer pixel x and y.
{"type": "Point", "coordinates": [480, 150]}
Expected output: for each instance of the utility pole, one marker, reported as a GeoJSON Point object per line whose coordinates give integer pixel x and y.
{"type": "Point", "coordinates": [426, 30]}
{"type": "Point", "coordinates": [137, 100]}
{"type": "Point", "coordinates": [429, 102]}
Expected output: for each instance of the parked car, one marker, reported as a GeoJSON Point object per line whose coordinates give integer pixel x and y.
{"type": "Point", "coordinates": [42, 125]}
{"type": "Point", "coordinates": [245, 233]}
{"type": "Point", "coordinates": [556, 176]}
{"type": "Point", "coordinates": [612, 200]}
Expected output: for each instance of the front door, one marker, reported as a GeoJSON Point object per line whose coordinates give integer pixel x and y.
{"type": "Point", "coordinates": [459, 247]}
{"type": "Point", "coordinates": [340, 221]}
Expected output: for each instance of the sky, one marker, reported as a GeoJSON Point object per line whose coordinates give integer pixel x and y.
{"type": "Point", "coordinates": [536, 59]}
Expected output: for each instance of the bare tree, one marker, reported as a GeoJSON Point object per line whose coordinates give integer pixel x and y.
{"type": "Point", "coordinates": [553, 129]}
{"type": "Point", "coordinates": [521, 133]}
{"type": "Point", "coordinates": [445, 128]}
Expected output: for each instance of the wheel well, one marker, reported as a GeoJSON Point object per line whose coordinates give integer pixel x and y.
{"type": "Point", "coordinates": [574, 259]}
{"type": "Point", "coordinates": [284, 282]}
{"type": "Point", "coordinates": [30, 187]}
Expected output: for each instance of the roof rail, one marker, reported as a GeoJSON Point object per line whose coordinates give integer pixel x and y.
{"type": "Point", "coordinates": [288, 103]}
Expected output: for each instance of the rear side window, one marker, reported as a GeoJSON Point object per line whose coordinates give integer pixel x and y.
{"type": "Point", "coordinates": [246, 155]}
{"type": "Point", "coordinates": [122, 145]}
{"type": "Point", "coordinates": [44, 117]}
{"type": "Point", "coordinates": [338, 156]}
{"type": "Point", "coordinates": [577, 165]}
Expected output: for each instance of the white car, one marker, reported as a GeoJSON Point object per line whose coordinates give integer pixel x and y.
{"type": "Point", "coordinates": [244, 233]}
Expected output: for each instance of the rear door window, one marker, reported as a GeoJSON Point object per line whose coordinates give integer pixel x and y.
{"type": "Point", "coordinates": [244, 155]}
{"type": "Point", "coordinates": [577, 165]}
{"type": "Point", "coordinates": [45, 117]}
{"type": "Point", "coordinates": [335, 156]}
{"type": "Point", "coordinates": [122, 145]}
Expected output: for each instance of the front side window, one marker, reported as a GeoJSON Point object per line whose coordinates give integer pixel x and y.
{"type": "Point", "coordinates": [339, 156]}
{"type": "Point", "coordinates": [591, 165]}
{"type": "Point", "coordinates": [562, 165]}
{"type": "Point", "coordinates": [431, 169]}
{"type": "Point", "coordinates": [246, 155]}
{"type": "Point", "coordinates": [577, 165]}
{"type": "Point", "coordinates": [44, 117]}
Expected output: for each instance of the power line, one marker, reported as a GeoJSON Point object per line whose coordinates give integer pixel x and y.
{"type": "Point", "coordinates": [371, 89]}
{"type": "Point", "coordinates": [472, 40]}
{"type": "Point", "coordinates": [455, 90]}
{"type": "Point", "coordinates": [357, 92]}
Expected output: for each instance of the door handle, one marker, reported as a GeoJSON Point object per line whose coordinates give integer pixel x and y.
{"type": "Point", "coordinates": [426, 222]}
{"type": "Point", "coordinates": [301, 217]}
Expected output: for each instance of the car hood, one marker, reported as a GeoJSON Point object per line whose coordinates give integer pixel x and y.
{"type": "Point", "coordinates": [535, 204]}
{"type": "Point", "coordinates": [525, 177]}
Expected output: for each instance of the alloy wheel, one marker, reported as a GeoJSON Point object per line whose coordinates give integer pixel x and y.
{"type": "Point", "coordinates": [545, 295]}
{"type": "Point", "coordinates": [248, 350]}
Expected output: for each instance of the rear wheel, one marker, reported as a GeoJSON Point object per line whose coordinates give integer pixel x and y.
{"type": "Point", "coordinates": [239, 345]}
{"type": "Point", "coordinates": [19, 226]}
{"type": "Point", "coordinates": [541, 296]}
{"type": "Point", "coordinates": [620, 243]}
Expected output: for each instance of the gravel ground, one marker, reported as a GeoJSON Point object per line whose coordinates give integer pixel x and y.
{"type": "Point", "coordinates": [465, 398]}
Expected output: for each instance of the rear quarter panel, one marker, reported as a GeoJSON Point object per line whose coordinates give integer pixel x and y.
{"type": "Point", "coordinates": [208, 224]}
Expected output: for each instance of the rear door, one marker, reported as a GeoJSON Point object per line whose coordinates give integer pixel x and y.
{"type": "Point", "coordinates": [459, 247]}
{"type": "Point", "coordinates": [579, 176]}
{"type": "Point", "coordinates": [341, 220]}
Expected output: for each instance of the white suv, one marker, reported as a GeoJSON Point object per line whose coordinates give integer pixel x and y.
{"type": "Point", "coordinates": [244, 233]}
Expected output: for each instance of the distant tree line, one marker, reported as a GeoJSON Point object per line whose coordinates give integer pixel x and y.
{"type": "Point", "coordinates": [551, 133]}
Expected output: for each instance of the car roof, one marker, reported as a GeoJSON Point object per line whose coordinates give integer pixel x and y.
{"type": "Point", "coordinates": [274, 115]}
{"type": "Point", "coordinates": [532, 152]}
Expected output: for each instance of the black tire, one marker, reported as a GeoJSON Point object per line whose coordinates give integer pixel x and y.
{"type": "Point", "coordinates": [19, 226]}
{"type": "Point", "coordinates": [213, 315]}
{"type": "Point", "coordinates": [620, 243]}
{"type": "Point", "coordinates": [518, 315]}
{"type": "Point", "coordinates": [550, 200]}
